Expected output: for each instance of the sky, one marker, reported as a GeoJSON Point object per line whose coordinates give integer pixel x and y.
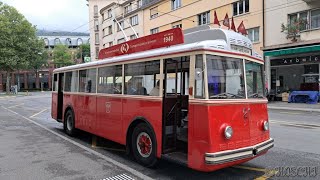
{"type": "Point", "coordinates": [55, 15]}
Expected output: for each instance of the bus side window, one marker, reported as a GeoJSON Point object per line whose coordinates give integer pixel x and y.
{"type": "Point", "coordinates": [110, 80]}
{"type": "Point", "coordinates": [140, 78]}
{"type": "Point", "coordinates": [87, 81]}
{"type": "Point", "coordinates": [55, 82]}
{"type": "Point", "coordinates": [199, 79]}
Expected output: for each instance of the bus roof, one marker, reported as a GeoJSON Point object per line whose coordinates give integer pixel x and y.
{"type": "Point", "coordinates": [218, 40]}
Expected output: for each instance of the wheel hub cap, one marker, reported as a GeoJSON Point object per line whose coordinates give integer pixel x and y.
{"type": "Point", "coordinates": [144, 144]}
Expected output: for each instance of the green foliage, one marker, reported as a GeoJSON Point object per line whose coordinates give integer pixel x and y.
{"type": "Point", "coordinates": [84, 51]}
{"type": "Point", "coordinates": [17, 39]}
{"type": "Point", "coordinates": [39, 56]}
{"type": "Point", "coordinates": [293, 29]}
{"type": "Point", "coordinates": [62, 56]}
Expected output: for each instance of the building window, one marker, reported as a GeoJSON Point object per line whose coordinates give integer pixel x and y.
{"type": "Point", "coordinates": [121, 24]}
{"type": "Point", "coordinates": [110, 43]}
{"type": "Point", "coordinates": [134, 20]}
{"type": "Point", "coordinates": [128, 9]}
{"type": "Point", "coordinates": [97, 38]}
{"type": "Point", "coordinates": [109, 13]}
{"type": "Point", "coordinates": [96, 25]}
{"type": "Point", "coordinates": [68, 42]}
{"type": "Point", "coordinates": [177, 26]}
{"type": "Point", "coordinates": [79, 42]}
{"type": "Point", "coordinates": [204, 18]}
{"type": "Point", "coordinates": [154, 12]}
{"type": "Point", "coordinates": [254, 34]}
{"type": "Point", "coordinates": [315, 19]}
{"type": "Point", "coordinates": [57, 41]}
{"type": "Point", "coordinates": [154, 30]}
{"type": "Point", "coordinates": [121, 40]}
{"type": "Point", "coordinates": [139, 3]}
{"type": "Point", "coordinates": [95, 10]}
{"type": "Point", "coordinates": [97, 52]}
{"type": "Point", "coordinates": [133, 36]}
{"type": "Point", "coordinates": [240, 7]}
{"type": "Point", "coordinates": [175, 4]}
{"type": "Point", "coordinates": [303, 16]}
{"type": "Point", "coordinates": [109, 29]}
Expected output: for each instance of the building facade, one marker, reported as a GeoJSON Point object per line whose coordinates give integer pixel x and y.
{"type": "Point", "coordinates": [41, 79]}
{"type": "Point", "coordinates": [151, 16]}
{"type": "Point", "coordinates": [292, 45]}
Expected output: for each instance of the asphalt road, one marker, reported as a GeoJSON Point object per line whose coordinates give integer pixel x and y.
{"type": "Point", "coordinates": [33, 146]}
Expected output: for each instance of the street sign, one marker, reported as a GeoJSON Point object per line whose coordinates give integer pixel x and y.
{"type": "Point", "coordinates": [87, 59]}
{"type": "Point", "coordinates": [154, 41]}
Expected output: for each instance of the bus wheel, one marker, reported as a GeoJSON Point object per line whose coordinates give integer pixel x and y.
{"type": "Point", "coordinates": [144, 145]}
{"type": "Point", "coordinates": [68, 124]}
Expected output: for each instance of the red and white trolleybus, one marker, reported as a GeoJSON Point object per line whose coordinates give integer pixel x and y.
{"type": "Point", "coordinates": [195, 97]}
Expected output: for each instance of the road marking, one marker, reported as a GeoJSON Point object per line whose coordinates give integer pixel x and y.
{"type": "Point", "coordinates": [296, 124]}
{"type": "Point", "coordinates": [293, 113]}
{"type": "Point", "coordinates": [123, 166]}
{"type": "Point", "coordinates": [36, 114]}
{"type": "Point", "coordinates": [16, 105]}
{"type": "Point", "coordinates": [267, 172]}
{"type": "Point", "coordinates": [119, 177]}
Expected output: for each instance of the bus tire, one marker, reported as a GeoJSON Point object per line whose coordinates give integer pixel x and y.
{"type": "Point", "coordinates": [143, 145]}
{"type": "Point", "coordinates": [69, 123]}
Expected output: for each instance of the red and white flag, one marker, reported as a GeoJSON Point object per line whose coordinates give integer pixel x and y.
{"type": "Point", "coordinates": [233, 27]}
{"type": "Point", "coordinates": [226, 21]}
{"type": "Point", "coordinates": [216, 20]}
{"type": "Point", "coordinates": [242, 29]}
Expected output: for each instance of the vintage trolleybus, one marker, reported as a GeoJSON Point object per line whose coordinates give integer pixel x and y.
{"type": "Point", "coordinates": [195, 97]}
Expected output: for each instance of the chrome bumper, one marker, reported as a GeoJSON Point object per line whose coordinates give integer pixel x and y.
{"type": "Point", "coordinates": [238, 154]}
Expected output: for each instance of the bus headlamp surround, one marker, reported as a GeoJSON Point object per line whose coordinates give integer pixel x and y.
{"type": "Point", "coordinates": [266, 125]}
{"type": "Point", "coordinates": [228, 132]}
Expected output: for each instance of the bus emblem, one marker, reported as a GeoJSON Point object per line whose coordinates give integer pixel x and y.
{"type": "Point", "coordinates": [108, 107]}
{"type": "Point", "coordinates": [124, 48]}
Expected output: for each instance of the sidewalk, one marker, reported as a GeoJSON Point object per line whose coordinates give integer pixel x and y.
{"type": "Point", "coordinates": [278, 105]}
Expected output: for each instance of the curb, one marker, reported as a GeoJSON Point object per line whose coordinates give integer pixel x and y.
{"type": "Point", "coordinates": [293, 109]}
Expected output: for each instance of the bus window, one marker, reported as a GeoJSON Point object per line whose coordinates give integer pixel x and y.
{"type": "Point", "coordinates": [140, 77]}
{"type": "Point", "coordinates": [225, 78]}
{"type": "Point", "coordinates": [87, 81]}
{"type": "Point", "coordinates": [199, 79]}
{"type": "Point", "coordinates": [110, 80]}
{"type": "Point", "coordinates": [71, 82]}
{"type": "Point", "coordinates": [254, 76]}
{"type": "Point", "coordinates": [55, 82]}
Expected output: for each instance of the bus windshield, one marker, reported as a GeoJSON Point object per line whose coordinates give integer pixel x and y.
{"type": "Point", "coordinates": [254, 77]}
{"type": "Point", "coordinates": [225, 77]}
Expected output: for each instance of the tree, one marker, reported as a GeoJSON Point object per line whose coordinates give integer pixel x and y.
{"type": "Point", "coordinates": [293, 28]}
{"type": "Point", "coordinates": [16, 35]}
{"type": "Point", "coordinates": [62, 56]}
{"type": "Point", "coordinates": [84, 51]}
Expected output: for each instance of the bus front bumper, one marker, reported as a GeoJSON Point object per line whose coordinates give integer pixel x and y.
{"type": "Point", "coordinates": [238, 154]}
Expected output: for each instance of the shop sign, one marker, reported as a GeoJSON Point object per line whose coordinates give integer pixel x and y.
{"type": "Point", "coordinates": [297, 60]}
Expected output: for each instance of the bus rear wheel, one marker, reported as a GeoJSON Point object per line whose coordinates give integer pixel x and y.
{"type": "Point", "coordinates": [68, 124]}
{"type": "Point", "coordinates": [143, 145]}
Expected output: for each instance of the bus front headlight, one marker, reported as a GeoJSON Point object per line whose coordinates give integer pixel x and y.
{"type": "Point", "coordinates": [266, 125]}
{"type": "Point", "coordinates": [228, 132]}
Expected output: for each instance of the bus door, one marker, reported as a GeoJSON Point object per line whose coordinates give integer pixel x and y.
{"type": "Point", "coordinates": [60, 96]}
{"type": "Point", "coordinates": [175, 105]}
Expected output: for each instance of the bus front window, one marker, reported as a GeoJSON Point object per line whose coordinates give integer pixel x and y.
{"type": "Point", "coordinates": [254, 76]}
{"type": "Point", "coordinates": [225, 77]}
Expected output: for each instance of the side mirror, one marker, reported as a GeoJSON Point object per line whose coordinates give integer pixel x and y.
{"type": "Point", "coordinates": [198, 74]}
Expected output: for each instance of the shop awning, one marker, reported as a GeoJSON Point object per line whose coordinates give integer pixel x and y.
{"type": "Point", "coordinates": [296, 50]}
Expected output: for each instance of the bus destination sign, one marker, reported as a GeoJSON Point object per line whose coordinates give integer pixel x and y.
{"type": "Point", "coordinates": [154, 41]}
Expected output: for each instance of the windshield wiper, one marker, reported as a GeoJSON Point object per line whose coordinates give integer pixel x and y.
{"type": "Point", "coordinates": [225, 96]}
{"type": "Point", "coordinates": [255, 95]}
